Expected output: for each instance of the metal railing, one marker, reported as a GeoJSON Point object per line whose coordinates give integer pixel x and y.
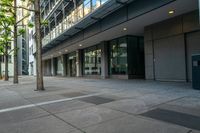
{"type": "Point", "coordinates": [74, 17]}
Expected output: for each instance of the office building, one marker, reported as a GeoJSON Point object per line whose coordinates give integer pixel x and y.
{"type": "Point", "coordinates": [125, 39]}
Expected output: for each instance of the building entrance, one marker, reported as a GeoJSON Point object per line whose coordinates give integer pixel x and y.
{"type": "Point", "coordinates": [72, 65]}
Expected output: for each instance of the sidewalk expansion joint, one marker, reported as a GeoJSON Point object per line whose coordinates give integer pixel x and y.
{"type": "Point", "coordinates": [45, 103]}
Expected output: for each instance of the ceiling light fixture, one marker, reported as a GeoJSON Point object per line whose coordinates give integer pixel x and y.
{"type": "Point", "coordinates": [124, 29]}
{"type": "Point", "coordinates": [171, 12]}
{"type": "Point", "coordinates": [80, 45]}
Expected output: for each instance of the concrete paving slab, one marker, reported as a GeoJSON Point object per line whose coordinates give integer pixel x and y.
{"type": "Point", "coordinates": [132, 96]}
{"type": "Point", "coordinates": [76, 132]}
{"type": "Point", "coordinates": [133, 106]}
{"type": "Point", "coordinates": [13, 102]}
{"type": "Point", "coordinates": [73, 94]}
{"type": "Point", "coordinates": [131, 124]}
{"type": "Point", "coordinates": [181, 109]}
{"type": "Point", "coordinates": [45, 98]}
{"type": "Point", "coordinates": [49, 124]}
{"type": "Point", "coordinates": [188, 105]}
{"type": "Point", "coordinates": [21, 115]}
{"type": "Point", "coordinates": [89, 116]}
{"type": "Point", "coordinates": [190, 102]}
{"type": "Point", "coordinates": [65, 106]}
{"type": "Point", "coordinates": [174, 117]}
{"type": "Point", "coordinates": [140, 104]}
{"type": "Point", "coordinates": [129, 94]}
{"type": "Point", "coordinates": [156, 99]}
{"type": "Point", "coordinates": [97, 100]}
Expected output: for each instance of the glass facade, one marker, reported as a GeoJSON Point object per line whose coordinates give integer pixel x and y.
{"type": "Point", "coordinates": [92, 61]}
{"type": "Point", "coordinates": [118, 57]}
{"type": "Point", "coordinates": [59, 68]}
{"type": "Point", "coordinates": [136, 57]}
{"type": "Point", "coordinates": [72, 16]}
{"type": "Point", "coordinates": [125, 59]}
{"type": "Point", "coordinates": [87, 7]}
{"type": "Point", "coordinates": [127, 56]}
{"type": "Point", "coordinates": [72, 64]}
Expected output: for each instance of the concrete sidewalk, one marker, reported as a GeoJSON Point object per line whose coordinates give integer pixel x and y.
{"type": "Point", "coordinates": [76, 105]}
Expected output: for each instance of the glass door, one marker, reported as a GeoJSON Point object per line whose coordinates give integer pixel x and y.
{"type": "Point", "coordinates": [72, 63]}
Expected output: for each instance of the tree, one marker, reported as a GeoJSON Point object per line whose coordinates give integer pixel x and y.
{"type": "Point", "coordinates": [38, 40]}
{"type": "Point", "coordinates": [6, 22]}
{"type": "Point", "coordinates": [38, 22]}
{"type": "Point", "coordinates": [11, 6]}
{"type": "Point", "coordinates": [15, 64]}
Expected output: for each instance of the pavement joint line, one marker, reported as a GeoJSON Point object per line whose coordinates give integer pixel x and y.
{"type": "Point", "coordinates": [46, 103]}
{"type": "Point", "coordinates": [63, 120]}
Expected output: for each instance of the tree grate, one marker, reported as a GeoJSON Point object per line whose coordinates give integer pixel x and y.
{"type": "Point", "coordinates": [182, 119]}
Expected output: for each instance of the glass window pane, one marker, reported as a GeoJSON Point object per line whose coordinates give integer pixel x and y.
{"type": "Point", "coordinates": [118, 58]}
{"type": "Point", "coordinates": [96, 4]}
{"type": "Point", "coordinates": [87, 7]}
{"type": "Point", "coordinates": [92, 61]}
{"type": "Point", "coordinates": [103, 1]}
{"type": "Point", "coordinates": [80, 11]}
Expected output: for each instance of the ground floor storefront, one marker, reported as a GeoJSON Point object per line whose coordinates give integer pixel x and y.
{"type": "Point", "coordinates": [118, 58]}
{"type": "Point", "coordinates": [153, 49]}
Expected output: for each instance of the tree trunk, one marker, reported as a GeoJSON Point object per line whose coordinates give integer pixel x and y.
{"type": "Point", "coordinates": [15, 78]}
{"type": "Point", "coordinates": [39, 71]}
{"type": "Point", "coordinates": [6, 64]}
{"type": "Point", "coordinates": [0, 70]}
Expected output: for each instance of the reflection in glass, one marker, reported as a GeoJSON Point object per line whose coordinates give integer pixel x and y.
{"type": "Point", "coordinates": [118, 59]}
{"type": "Point", "coordinates": [59, 66]}
{"type": "Point", "coordinates": [103, 1]}
{"type": "Point", "coordinates": [92, 61]}
{"type": "Point", "coordinates": [72, 64]}
{"type": "Point", "coordinates": [73, 15]}
{"type": "Point", "coordinates": [87, 7]}
{"type": "Point", "coordinates": [96, 4]}
{"type": "Point", "coordinates": [80, 11]}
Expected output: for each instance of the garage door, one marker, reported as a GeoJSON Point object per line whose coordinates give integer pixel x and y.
{"type": "Point", "coordinates": [170, 59]}
{"type": "Point", "coordinates": [193, 47]}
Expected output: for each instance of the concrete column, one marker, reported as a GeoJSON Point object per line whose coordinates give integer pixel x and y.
{"type": "Point", "coordinates": [53, 70]}
{"type": "Point", "coordinates": [104, 60]}
{"type": "Point", "coordinates": [68, 66]}
{"type": "Point", "coordinates": [48, 68]}
{"type": "Point", "coordinates": [64, 65]}
{"type": "Point", "coordinates": [79, 63]}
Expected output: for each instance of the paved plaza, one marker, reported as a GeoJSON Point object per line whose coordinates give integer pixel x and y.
{"type": "Point", "coordinates": [79, 105]}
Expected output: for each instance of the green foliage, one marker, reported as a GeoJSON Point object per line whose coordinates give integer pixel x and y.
{"type": "Point", "coordinates": [6, 23]}
{"type": "Point", "coordinates": [30, 25]}
{"type": "Point", "coordinates": [21, 31]}
{"type": "Point", "coordinates": [44, 22]}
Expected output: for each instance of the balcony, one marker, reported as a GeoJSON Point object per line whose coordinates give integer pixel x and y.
{"type": "Point", "coordinates": [53, 7]}
{"type": "Point", "coordinates": [84, 15]}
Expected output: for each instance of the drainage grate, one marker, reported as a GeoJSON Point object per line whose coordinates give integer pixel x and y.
{"type": "Point", "coordinates": [96, 100]}
{"type": "Point", "coordinates": [73, 94]}
{"type": "Point", "coordinates": [182, 119]}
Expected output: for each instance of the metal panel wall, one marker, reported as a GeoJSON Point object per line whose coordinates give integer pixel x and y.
{"type": "Point", "coordinates": [193, 47]}
{"type": "Point", "coordinates": [92, 30]}
{"type": "Point", "coordinates": [170, 59]}
{"type": "Point", "coordinates": [166, 47]}
{"type": "Point", "coordinates": [140, 7]}
{"type": "Point", "coordinates": [114, 19]}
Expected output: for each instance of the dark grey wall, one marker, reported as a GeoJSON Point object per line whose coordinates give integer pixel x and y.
{"type": "Point", "coordinates": [193, 47]}
{"type": "Point", "coordinates": [169, 58]}
{"type": "Point", "coordinates": [168, 47]}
